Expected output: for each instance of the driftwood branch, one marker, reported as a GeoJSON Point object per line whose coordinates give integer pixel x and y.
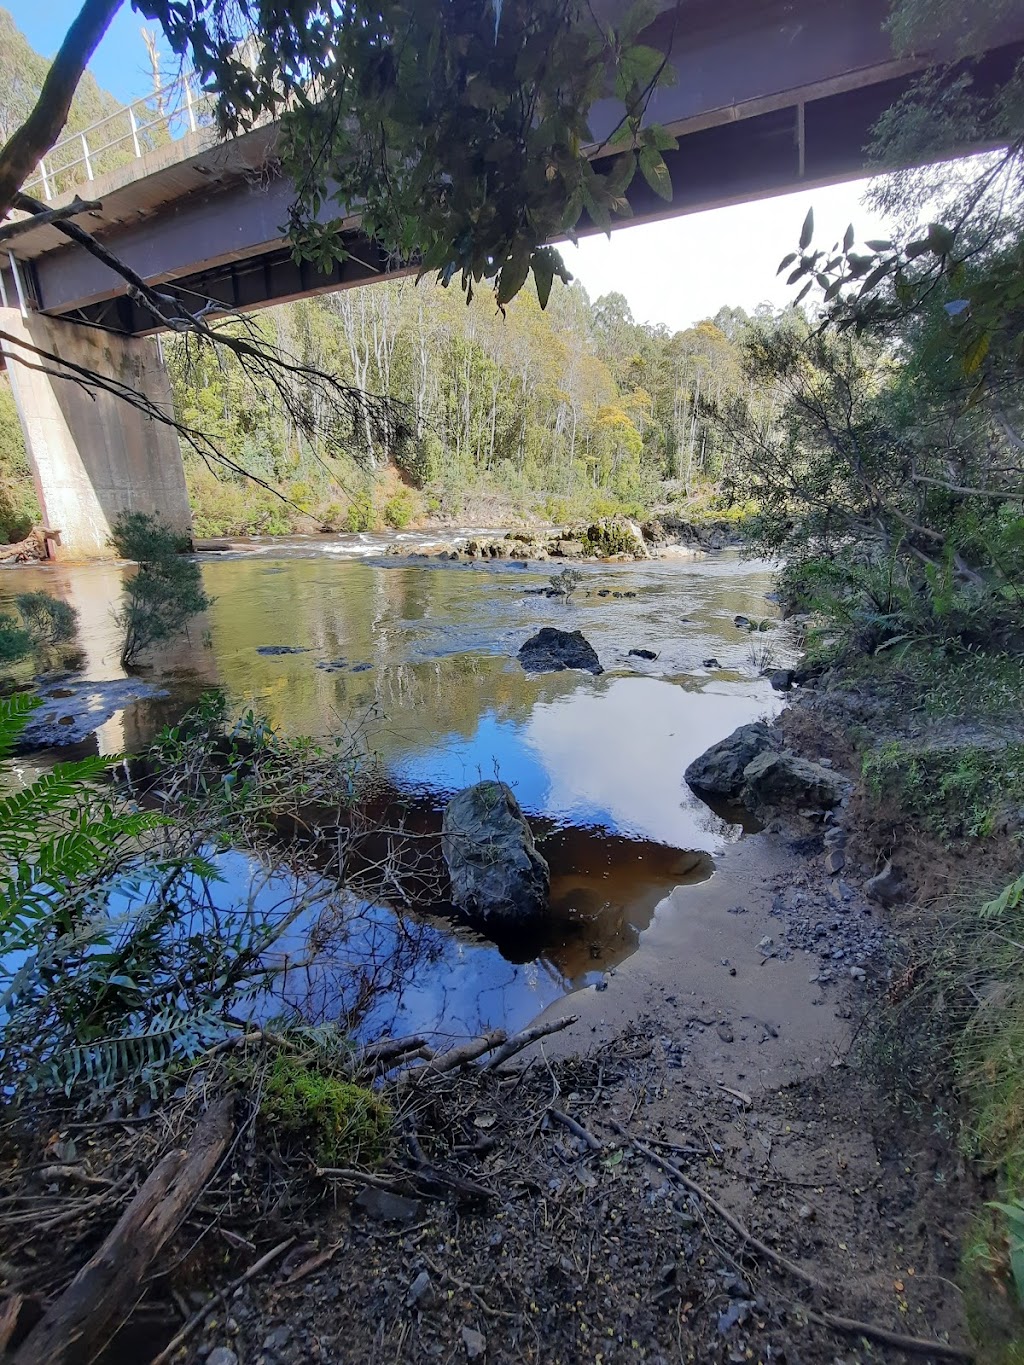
{"type": "Point", "coordinates": [529, 1035]}
{"type": "Point", "coordinates": [498, 1043]}
{"type": "Point", "coordinates": [389, 1050]}
{"type": "Point", "coordinates": [105, 1290]}
{"type": "Point", "coordinates": [444, 1062]}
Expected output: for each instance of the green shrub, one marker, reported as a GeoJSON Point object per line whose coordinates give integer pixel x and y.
{"type": "Point", "coordinates": [165, 592]}
{"type": "Point", "coordinates": [15, 641]}
{"type": "Point", "coordinates": [399, 510]}
{"type": "Point", "coordinates": [49, 620]}
{"type": "Point", "coordinates": [345, 1123]}
{"type": "Point", "coordinates": [953, 792]}
{"type": "Point", "coordinates": [360, 514]}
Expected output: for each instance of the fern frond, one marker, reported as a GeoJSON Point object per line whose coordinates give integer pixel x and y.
{"type": "Point", "coordinates": [172, 1035]}
{"type": "Point", "coordinates": [14, 716]}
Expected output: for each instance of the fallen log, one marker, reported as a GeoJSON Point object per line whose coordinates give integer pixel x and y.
{"type": "Point", "coordinates": [106, 1289]}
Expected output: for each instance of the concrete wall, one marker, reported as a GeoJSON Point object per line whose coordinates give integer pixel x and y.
{"type": "Point", "coordinates": [94, 455]}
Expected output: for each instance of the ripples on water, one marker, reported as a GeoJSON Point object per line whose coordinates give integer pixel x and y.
{"type": "Point", "coordinates": [422, 655]}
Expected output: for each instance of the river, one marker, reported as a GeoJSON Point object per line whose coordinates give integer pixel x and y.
{"type": "Point", "coordinates": [421, 654]}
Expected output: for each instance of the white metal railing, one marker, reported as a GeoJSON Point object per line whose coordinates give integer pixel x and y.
{"type": "Point", "coordinates": [170, 112]}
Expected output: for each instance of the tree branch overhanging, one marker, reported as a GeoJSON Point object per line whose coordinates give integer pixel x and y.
{"type": "Point", "coordinates": [315, 400]}
{"type": "Point", "coordinates": [47, 216]}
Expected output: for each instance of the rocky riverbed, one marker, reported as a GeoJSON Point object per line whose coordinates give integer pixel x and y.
{"type": "Point", "coordinates": [610, 538]}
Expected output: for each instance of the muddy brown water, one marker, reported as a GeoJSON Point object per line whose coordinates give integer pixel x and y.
{"type": "Point", "coordinates": [420, 655]}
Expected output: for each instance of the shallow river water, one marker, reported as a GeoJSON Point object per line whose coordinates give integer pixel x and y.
{"type": "Point", "coordinates": [422, 655]}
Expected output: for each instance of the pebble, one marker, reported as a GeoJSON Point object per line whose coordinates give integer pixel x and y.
{"type": "Point", "coordinates": [388, 1207]}
{"type": "Point", "coordinates": [725, 1033]}
{"type": "Point", "coordinates": [475, 1342]}
{"type": "Point", "coordinates": [419, 1289]}
{"type": "Point", "coordinates": [858, 973]}
{"type": "Point", "coordinates": [222, 1355]}
{"type": "Point", "coordinates": [278, 1339]}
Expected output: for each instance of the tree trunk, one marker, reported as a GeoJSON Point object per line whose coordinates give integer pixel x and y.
{"type": "Point", "coordinates": [29, 144]}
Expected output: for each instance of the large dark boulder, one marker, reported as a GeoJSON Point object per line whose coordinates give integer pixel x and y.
{"type": "Point", "coordinates": [774, 781]}
{"type": "Point", "coordinates": [495, 868]}
{"type": "Point", "coordinates": [551, 651]}
{"type": "Point", "coordinates": [719, 770]}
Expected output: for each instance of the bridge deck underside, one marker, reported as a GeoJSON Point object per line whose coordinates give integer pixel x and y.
{"type": "Point", "coordinates": [814, 143]}
{"type": "Point", "coordinates": [770, 95]}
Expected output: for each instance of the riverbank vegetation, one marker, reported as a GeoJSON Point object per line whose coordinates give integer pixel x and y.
{"type": "Point", "coordinates": [890, 480]}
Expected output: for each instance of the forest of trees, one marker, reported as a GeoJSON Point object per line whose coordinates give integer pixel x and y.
{"type": "Point", "coordinates": [578, 410]}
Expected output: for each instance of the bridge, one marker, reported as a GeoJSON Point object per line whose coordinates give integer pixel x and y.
{"type": "Point", "coordinates": [769, 96]}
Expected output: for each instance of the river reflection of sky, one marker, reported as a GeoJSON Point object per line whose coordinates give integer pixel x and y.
{"type": "Point", "coordinates": [600, 760]}
{"type": "Point", "coordinates": [348, 961]}
{"type": "Point", "coordinates": [611, 753]}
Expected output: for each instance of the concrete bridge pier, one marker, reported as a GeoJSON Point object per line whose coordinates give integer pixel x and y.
{"type": "Point", "coordinates": [94, 455]}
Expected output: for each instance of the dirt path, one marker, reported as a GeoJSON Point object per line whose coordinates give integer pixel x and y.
{"type": "Point", "coordinates": [586, 1249]}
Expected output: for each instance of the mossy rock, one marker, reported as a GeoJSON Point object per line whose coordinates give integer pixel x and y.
{"type": "Point", "coordinates": [344, 1122]}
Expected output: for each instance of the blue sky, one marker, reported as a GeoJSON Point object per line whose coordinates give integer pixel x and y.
{"type": "Point", "coordinates": [120, 63]}
{"type": "Point", "coordinates": [675, 272]}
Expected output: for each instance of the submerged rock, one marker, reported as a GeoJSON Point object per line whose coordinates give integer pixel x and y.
{"type": "Point", "coordinates": [495, 868]}
{"type": "Point", "coordinates": [643, 654]}
{"type": "Point", "coordinates": [785, 780]}
{"type": "Point", "coordinates": [781, 680]}
{"type": "Point", "coordinates": [552, 650]}
{"type": "Point", "coordinates": [71, 712]}
{"type": "Point", "coordinates": [719, 770]}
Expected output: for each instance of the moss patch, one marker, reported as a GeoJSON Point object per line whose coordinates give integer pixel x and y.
{"type": "Point", "coordinates": [343, 1122]}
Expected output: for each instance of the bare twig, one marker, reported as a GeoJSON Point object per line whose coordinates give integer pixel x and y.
{"type": "Point", "coordinates": [595, 1144]}
{"type": "Point", "coordinates": [849, 1326]}
{"type": "Point", "coordinates": [916, 1345]}
{"type": "Point", "coordinates": [743, 1232]}
{"type": "Point", "coordinates": [221, 1296]}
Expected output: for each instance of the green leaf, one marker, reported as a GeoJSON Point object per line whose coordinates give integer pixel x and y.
{"type": "Point", "coordinates": [807, 231]}
{"type": "Point", "coordinates": [512, 275]}
{"type": "Point", "coordinates": [848, 238]}
{"type": "Point", "coordinates": [543, 274]}
{"type": "Point", "coordinates": [940, 239]}
{"type": "Point", "coordinates": [655, 172]}
{"type": "Point", "coordinates": [975, 354]}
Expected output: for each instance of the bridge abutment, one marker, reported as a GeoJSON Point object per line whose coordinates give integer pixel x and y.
{"type": "Point", "coordinates": [93, 454]}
